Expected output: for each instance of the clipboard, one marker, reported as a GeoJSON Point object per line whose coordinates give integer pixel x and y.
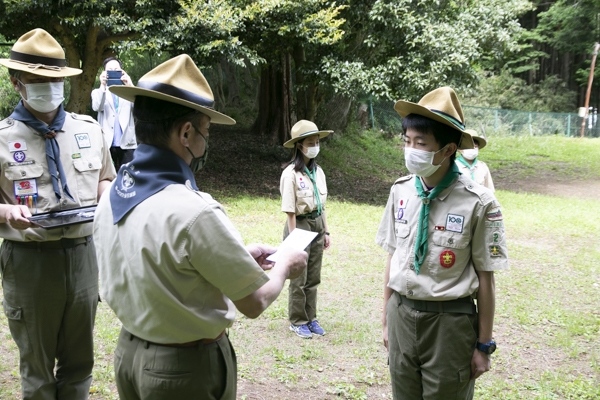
{"type": "Point", "coordinates": [58, 219]}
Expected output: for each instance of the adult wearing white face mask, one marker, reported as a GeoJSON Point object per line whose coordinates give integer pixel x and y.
{"type": "Point", "coordinates": [469, 164]}
{"type": "Point", "coordinates": [51, 160]}
{"type": "Point", "coordinates": [303, 194]}
{"type": "Point", "coordinates": [444, 236]}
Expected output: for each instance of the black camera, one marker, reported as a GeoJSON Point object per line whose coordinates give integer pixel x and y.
{"type": "Point", "coordinates": [114, 78]}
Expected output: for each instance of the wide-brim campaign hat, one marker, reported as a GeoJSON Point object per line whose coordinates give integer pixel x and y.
{"type": "Point", "coordinates": [440, 105]}
{"type": "Point", "coordinates": [38, 53]}
{"type": "Point", "coordinates": [303, 129]}
{"type": "Point", "coordinates": [479, 139]}
{"type": "Point", "coordinates": [178, 81]}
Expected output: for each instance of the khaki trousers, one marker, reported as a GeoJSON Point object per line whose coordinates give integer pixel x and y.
{"type": "Point", "coordinates": [146, 371]}
{"type": "Point", "coordinates": [302, 303]}
{"type": "Point", "coordinates": [50, 301]}
{"type": "Point", "coordinates": [430, 353]}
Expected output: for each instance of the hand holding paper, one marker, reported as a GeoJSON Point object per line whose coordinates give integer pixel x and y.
{"type": "Point", "coordinates": [298, 239]}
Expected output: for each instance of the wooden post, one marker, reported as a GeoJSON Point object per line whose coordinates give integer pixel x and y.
{"type": "Point", "coordinates": [589, 87]}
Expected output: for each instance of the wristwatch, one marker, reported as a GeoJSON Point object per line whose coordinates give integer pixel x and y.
{"type": "Point", "coordinates": [487, 348]}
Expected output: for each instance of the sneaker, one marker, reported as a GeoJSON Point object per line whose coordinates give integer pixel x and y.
{"type": "Point", "coordinates": [316, 328]}
{"type": "Point", "coordinates": [301, 330]}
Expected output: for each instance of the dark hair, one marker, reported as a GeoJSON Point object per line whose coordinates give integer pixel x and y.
{"type": "Point", "coordinates": [442, 133]}
{"type": "Point", "coordinates": [298, 159]}
{"type": "Point", "coordinates": [109, 59]}
{"type": "Point", "coordinates": [15, 73]}
{"type": "Point", "coordinates": [154, 119]}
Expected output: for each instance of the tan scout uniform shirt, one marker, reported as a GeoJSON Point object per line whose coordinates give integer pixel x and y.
{"type": "Point", "coordinates": [85, 159]}
{"type": "Point", "coordinates": [297, 191]}
{"type": "Point", "coordinates": [481, 174]}
{"type": "Point", "coordinates": [466, 233]}
{"type": "Point", "coordinates": [170, 267]}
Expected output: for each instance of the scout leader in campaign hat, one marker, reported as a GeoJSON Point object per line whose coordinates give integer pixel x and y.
{"type": "Point", "coordinates": [178, 81]}
{"type": "Point", "coordinates": [37, 52]}
{"type": "Point", "coordinates": [440, 105]}
{"type": "Point", "coordinates": [303, 129]}
{"type": "Point", "coordinates": [477, 138]}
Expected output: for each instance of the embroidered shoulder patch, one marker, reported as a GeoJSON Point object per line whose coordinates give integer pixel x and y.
{"type": "Point", "coordinates": [494, 215]}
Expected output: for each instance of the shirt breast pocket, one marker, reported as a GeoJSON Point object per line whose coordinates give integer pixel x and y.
{"type": "Point", "coordinates": [450, 252]}
{"type": "Point", "coordinates": [15, 173]}
{"type": "Point", "coordinates": [402, 239]}
{"type": "Point", "coordinates": [88, 172]}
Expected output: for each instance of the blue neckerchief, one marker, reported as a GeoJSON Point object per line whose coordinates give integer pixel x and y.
{"type": "Point", "coordinates": [151, 170]}
{"type": "Point", "coordinates": [52, 150]}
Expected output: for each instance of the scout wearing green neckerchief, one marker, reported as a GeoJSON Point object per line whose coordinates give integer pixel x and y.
{"type": "Point", "coordinates": [445, 238]}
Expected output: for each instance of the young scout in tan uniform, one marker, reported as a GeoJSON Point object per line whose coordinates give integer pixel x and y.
{"type": "Point", "coordinates": [303, 196]}
{"type": "Point", "coordinates": [172, 266]}
{"type": "Point", "coordinates": [50, 160]}
{"type": "Point", "coordinates": [445, 238]}
{"type": "Point", "coordinates": [469, 164]}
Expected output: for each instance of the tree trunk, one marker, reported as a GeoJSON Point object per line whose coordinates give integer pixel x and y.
{"type": "Point", "coordinates": [97, 44]}
{"type": "Point", "coordinates": [274, 102]}
{"type": "Point", "coordinates": [233, 89]}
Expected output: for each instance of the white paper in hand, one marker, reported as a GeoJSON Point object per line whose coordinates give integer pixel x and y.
{"type": "Point", "coordinates": [299, 239]}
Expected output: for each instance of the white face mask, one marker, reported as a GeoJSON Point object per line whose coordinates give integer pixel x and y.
{"type": "Point", "coordinates": [312, 152]}
{"type": "Point", "coordinates": [470, 154]}
{"type": "Point", "coordinates": [44, 97]}
{"type": "Point", "coordinates": [420, 162]}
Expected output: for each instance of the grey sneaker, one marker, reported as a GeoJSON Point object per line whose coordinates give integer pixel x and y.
{"type": "Point", "coordinates": [301, 330]}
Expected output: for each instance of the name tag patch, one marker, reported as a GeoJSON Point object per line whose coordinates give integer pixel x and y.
{"type": "Point", "coordinates": [83, 140]}
{"type": "Point", "coordinates": [454, 223]}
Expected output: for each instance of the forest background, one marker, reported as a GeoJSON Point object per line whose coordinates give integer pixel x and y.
{"type": "Point", "coordinates": [273, 62]}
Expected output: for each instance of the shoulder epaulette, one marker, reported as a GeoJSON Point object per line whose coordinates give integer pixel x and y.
{"type": "Point", "coordinates": [83, 117]}
{"type": "Point", "coordinates": [6, 123]}
{"type": "Point", "coordinates": [404, 179]}
{"type": "Point", "coordinates": [484, 194]}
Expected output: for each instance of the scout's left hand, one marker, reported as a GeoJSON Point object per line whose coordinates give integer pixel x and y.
{"type": "Point", "coordinates": [480, 364]}
{"type": "Point", "coordinates": [260, 252]}
{"type": "Point", "coordinates": [327, 242]}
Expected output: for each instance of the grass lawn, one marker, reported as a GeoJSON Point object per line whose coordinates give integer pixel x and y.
{"type": "Point", "coordinates": [548, 317]}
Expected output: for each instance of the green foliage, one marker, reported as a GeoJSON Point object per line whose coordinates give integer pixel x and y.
{"type": "Point", "coordinates": [505, 90]}
{"type": "Point", "coordinates": [8, 95]}
{"type": "Point", "coordinates": [407, 47]}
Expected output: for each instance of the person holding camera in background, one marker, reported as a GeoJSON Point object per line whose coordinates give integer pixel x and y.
{"type": "Point", "coordinates": [115, 115]}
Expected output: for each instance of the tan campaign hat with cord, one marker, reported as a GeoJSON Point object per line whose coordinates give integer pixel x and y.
{"type": "Point", "coordinates": [303, 129]}
{"type": "Point", "coordinates": [178, 81]}
{"type": "Point", "coordinates": [440, 105]}
{"type": "Point", "coordinates": [38, 53]}
{"type": "Point", "coordinates": [479, 139]}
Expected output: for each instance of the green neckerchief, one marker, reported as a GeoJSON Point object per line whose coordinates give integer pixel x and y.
{"type": "Point", "coordinates": [313, 178]}
{"type": "Point", "coordinates": [422, 229]}
{"type": "Point", "coordinates": [471, 167]}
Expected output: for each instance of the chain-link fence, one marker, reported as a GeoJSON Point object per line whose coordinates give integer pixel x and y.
{"type": "Point", "coordinates": [497, 122]}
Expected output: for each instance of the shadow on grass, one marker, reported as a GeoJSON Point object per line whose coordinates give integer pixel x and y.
{"type": "Point", "coordinates": [241, 163]}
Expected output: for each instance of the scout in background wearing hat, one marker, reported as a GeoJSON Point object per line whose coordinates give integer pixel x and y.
{"type": "Point", "coordinates": [51, 160]}
{"type": "Point", "coordinates": [303, 195]}
{"type": "Point", "coordinates": [469, 164]}
{"type": "Point", "coordinates": [172, 266]}
{"type": "Point", "coordinates": [445, 238]}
